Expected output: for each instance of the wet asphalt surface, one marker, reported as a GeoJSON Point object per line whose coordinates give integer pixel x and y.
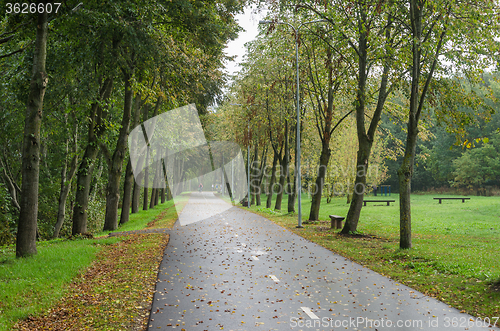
{"type": "Point", "coordinates": [239, 271]}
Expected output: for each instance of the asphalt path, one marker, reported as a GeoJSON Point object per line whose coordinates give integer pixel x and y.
{"type": "Point", "coordinates": [238, 271]}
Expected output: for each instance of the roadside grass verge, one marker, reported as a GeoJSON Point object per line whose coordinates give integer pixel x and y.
{"type": "Point", "coordinates": [29, 287]}
{"type": "Point", "coordinates": [114, 294]}
{"type": "Point", "coordinates": [455, 245]}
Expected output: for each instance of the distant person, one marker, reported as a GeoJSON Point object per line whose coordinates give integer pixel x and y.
{"type": "Point", "coordinates": [200, 187]}
{"type": "Point", "coordinates": [374, 190]}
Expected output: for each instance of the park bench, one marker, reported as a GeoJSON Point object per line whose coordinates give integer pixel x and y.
{"type": "Point", "coordinates": [388, 201]}
{"type": "Point", "coordinates": [463, 199]}
{"type": "Point", "coordinates": [336, 221]}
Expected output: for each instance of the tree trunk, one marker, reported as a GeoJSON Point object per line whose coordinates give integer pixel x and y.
{"type": "Point", "coordinates": [145, 117]}
{"type": "Point", "coordinates": [145, 197]}
{"type": "Point", "coordinates": [84, 174]}
{"type": "Point", "coordinates": [272, 181]}
{"type": "Point", "coordinates": [127, 193]}
{"type": "Point", "coordinates": [354, 212]}
{"type": "Point", "coordinates": [66, 181]}
{"type": "Point", "coordinates": [128, 185]}
{"type": "Point", "coordinates": [261, 175]}
{"type": "Point", "coordinates": [253, 171]}
{"type": "Point", "coordinates": [405, 173]}
{"type": "Point", "coordinates": [320, 181]}
{"type": "Point", "coordinates": [153, 196]}
{"type": "Point", "coordinates": [27, 225]}
{"type": "Point", "coordinates": [291, 195]}
{"type": "Point", "coordinates": [284, 170]}
{"type": "Point", "coordinates": [115, 170]}
{"type": "Point", "coordinates": [146, 170]}
{"type": "Point", "coordinates": [11, 185]}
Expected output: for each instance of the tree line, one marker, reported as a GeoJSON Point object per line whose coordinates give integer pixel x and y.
{"type": "Point", "coordinates": [74, 84]}
{"type": "Point", "coordinates": [360, 63]}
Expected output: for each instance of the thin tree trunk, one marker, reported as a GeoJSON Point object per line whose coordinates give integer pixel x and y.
{"type": "Point", "coordinates": [146, 170]}
{"type": "Point", "coordinates": [128, 184]}
{"type": "Point", "coordinates": [405, 173]}
{"type": "Point", "coordinates": [136, 192]}
{"type": "Point", "coordinates": [270, 191]}
{"type": "Point", "coordinates": [11, 187]}
{"type": "Point", "coordinates": [284, 170]}
{"type": "Point", "coordinates": [115, 170]}
{"type": "Point", "coordinates": [27, 225]}
{"type": "Point", "coordinates": [320, 180]}
{"type": "Point", "coordinates": [66, 181]}
{"type": "Point", "coordinates": [253, 170]}
{"type": "Point", "coordinates": [261, 175]}
{"type": "Point", "coordinates": [127, 193]}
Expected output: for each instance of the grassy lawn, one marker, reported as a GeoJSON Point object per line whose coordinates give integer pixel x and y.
{"type": "Point", "coordinates": [455, 255]}
{"type": "Point", "coordinates": [30, 287]}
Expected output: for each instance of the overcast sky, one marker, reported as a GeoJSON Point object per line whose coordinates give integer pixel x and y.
{"type": "Point", "coordinates": [249, 20]}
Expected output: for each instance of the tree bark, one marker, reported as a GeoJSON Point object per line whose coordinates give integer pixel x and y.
{"type": "Point", "coordinates": [27, 225]}
{"type": "Point", "coordinates": [127, 193]}
{"type": "Point", "coordinates": [320, 180]}
{"type": "Point", "coordinates": [405, 173]}
{"type": "Point", "coordinates": [115, 170]}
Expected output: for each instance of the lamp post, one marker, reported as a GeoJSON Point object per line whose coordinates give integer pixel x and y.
{"type": "Point", "coordinates": [248, 156]}
{"type": "Point", "coordinates": [297, 171]}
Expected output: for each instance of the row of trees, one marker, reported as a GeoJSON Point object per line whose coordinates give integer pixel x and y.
{"type": "Point", "coordinates": [414, 58]}
{"type": "Point", "coordinates": [85, 76]}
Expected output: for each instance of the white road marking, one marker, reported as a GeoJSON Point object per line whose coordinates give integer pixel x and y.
{"type": "Point", "coordinates": [310, 313]}
{"type": "Point", "coordinates": [255, 258]}
{"type": "Point", "coordinates": [273, 277]}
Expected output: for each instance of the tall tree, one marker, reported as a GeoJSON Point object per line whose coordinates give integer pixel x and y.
{"type": "Point", "coordinates": [323, 94]}
{"type": "Point", "coordinates": [434, 29]}
{"type": "Point", "coordinates": [27, 226]}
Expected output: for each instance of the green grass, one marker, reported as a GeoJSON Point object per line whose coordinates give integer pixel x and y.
{"type": "Point", "coordinates": [139, 221]}
{"type": "Point", "coordinates": [30, 286]}
{"type": "Point", "coordinates": [455, 245]}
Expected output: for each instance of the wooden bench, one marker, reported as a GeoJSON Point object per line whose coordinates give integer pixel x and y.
{"type": "Point", "coordinates": [388, 201]}
{"type": "Point", "coordinates": [463, 199]}
{"type": "Point", "coordinates": [336, 221]}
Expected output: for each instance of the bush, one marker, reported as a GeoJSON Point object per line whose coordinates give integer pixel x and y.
{"type": "Point", "coordinates": [7, 217]}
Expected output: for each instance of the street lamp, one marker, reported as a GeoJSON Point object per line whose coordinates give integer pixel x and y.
{"type": "Point", "coordinates": [248, 155]}
{"type": "Point", "coordinates": [296, 32]}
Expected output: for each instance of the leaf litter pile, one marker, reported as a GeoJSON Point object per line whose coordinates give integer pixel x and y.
{"type": "Point", "coordinates": [115, 293]}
